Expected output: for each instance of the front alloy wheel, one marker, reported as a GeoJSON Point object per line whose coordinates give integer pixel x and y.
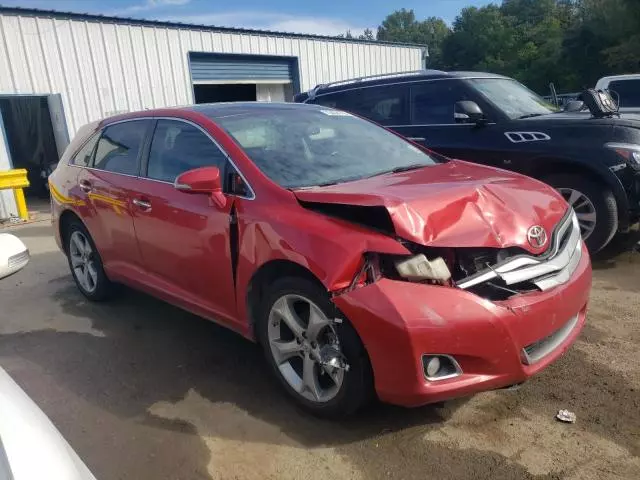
{"type": "Point", "coordinates": [312, 348]}
{"type": "Point", "coordinates": [584, 208]}
{"type": "Point", "coordinates": [305, 348]}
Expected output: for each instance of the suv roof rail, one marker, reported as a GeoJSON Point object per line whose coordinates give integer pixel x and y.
{"type": "Point", "coordinates": [314, 90]}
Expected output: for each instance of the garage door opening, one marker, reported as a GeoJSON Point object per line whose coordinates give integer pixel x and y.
{"type": "Point", "coordinates": [224, 93]}
{"type": "Point", "coordinates": [236, 77]}
{"type": "Point", "coordinates": [35, 135]}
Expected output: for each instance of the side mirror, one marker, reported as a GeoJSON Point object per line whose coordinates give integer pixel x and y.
{"type": "Point", "coordinates": [14, 255]}
{"type": "Point", "coordinates": [574, 106]}
{"type": "Point", "coordinates": [205, 180]}
{"type": "Point", "coordinates": [467, 111]}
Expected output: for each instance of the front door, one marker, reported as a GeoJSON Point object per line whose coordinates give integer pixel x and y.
{"type": "Point", "coordinates": [433, 123]}
{"type": "Point", "coordinates": [184, 238]}
{"type": "Point", "coordinates": [106, 183]}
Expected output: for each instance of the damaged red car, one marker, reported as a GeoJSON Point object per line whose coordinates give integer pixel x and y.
{"type": "Point", "coordinates": [363, 264]}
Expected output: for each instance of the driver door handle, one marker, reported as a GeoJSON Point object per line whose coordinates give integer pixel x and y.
{"type": "Point", "coordinates": [417, 139]}
{"type": "Point", "coordinates": [144, 205]}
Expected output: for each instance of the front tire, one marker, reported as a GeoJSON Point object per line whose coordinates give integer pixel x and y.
{"type": "Point", "coordinates": [595, 207]}
{"type": "Point", "coordinates": [85, 263]}
{"type": "Point", "coordinates": [321, 363]}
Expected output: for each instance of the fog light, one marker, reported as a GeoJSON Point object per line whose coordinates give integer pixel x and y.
{"type": "Point", "coordinates": [433, 365]}
{"type": "Point", "coordinates": [440, 367]}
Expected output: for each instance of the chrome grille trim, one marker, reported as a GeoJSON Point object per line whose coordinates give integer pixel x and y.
{"type": "Point", "coordinates": [554, 268]}
{"type": "Point", "coordinates": [535, 352]}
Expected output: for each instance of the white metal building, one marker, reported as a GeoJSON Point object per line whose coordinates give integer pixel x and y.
{"type": "Point", "coordinates": [90, 66]}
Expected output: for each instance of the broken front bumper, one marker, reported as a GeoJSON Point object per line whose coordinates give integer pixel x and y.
{"type": "Point", "coordinates": [496, 344]}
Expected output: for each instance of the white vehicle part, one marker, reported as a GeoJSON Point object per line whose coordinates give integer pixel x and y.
{"type": "Point", "coordinates": [419, 268]}
{"type": "Point", "coordinates": [33, 448]}
{"type": "Point", "coordinates": [14, 255]}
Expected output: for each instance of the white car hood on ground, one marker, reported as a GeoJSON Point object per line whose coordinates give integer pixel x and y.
{"type": "Point", "coordinates": [31, 445]}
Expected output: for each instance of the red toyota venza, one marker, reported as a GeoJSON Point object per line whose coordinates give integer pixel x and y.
{"type": "Point", "coordinates": [362, 263]}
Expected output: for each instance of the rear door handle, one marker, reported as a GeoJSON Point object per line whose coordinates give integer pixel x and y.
{"type": "Point", "coordinates": [85, 186]}
{"type": "Point", "coordinates": [417, 139]}
{"type": "Point", "coordinates": [142, 204]}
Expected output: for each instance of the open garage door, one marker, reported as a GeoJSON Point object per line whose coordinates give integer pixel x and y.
{"type": "Point", "coordinates": [229, 78]}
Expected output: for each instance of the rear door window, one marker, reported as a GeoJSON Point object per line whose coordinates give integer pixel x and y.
{"type": "Point", "coordinates": [386, 105]}
{"type": "Point", "coordinates": [434, 102]}
{"type": "Point", "coordinates": [178, 147]}
{"type": "Point", "coordinates": [119, 147]}
{"type": "Point", "coordinates": [629, 92]}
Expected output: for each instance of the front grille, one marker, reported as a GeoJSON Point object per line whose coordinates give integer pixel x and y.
{"type": "Point", "coordinates": [546, 271]}
{"type": "Point", "coordinates": [19, 259]}
{"type": "Point", "coordinates": [536, 351]}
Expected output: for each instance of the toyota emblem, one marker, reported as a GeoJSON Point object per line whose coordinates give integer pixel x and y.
{"type": "Point", "coordinates": [537, 236]}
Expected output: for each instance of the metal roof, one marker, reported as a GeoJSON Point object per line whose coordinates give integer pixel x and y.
{"type": "Point", "coordinates": [160, 23]}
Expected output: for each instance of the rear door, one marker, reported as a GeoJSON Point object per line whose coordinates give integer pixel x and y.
{"type": "Point", "coordinates": [106, 184]}
{"type": "Point", "coordinates": [184, 238]}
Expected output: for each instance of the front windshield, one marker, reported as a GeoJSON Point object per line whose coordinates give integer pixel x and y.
{"type": "Point", "coordinates": [308, 146]}
{"type": "Point", "coordinates": [513, 98]}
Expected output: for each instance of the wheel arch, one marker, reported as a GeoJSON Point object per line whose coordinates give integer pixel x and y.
{"type": "Point", "coordinates": [65, 219]}
{"type": "Point", "coordinates": [599, 174]}
{"type": "Point", "coordinates": [265, 275]}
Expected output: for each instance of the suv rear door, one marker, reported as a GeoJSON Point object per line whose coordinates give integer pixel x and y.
{"type": "Point", "coordinates": [108, 174]}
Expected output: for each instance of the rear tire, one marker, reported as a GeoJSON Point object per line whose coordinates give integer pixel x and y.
{"type": "Point", "coordinates": [336, 392]}
{"type": "Point", "coordinates": [85, 263]}
{"type": "Point", "coordinates": [591, 201]}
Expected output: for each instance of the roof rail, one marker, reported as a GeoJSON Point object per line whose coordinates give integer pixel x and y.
{"type": "Point", "coordinates": [314, 90]}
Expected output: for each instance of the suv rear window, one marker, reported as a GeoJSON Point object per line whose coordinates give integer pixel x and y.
{"type": "Point", "coordinates": [629, 92]}
{"type": "Point", "coordinates": [386, 105]}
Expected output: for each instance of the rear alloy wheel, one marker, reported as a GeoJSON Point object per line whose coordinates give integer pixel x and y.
{"type": "Point", "coordinates": [595, 207]}
{"type": "Point", "coordinates": [85, 263]}
{"type": "Point", "coordinates": [315, 353]}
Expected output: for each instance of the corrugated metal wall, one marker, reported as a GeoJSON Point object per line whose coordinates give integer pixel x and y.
{"type": "Point", "coordinates": [104, 68]}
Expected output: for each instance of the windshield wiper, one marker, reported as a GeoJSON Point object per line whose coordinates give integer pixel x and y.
{"type": "Point", "coordinates": [406, 168]}
{"type": "Point", "coordinates": [530, 115]}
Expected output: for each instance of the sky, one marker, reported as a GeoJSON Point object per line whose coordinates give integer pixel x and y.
{"type": "Point", "coordinates": [326, 17]}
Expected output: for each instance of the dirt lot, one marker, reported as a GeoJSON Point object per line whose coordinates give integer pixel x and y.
{"type": "Point", "coordinates": [143, 390]}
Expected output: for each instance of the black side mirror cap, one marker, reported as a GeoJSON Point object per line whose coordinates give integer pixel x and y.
{"type": "Point", "coordinates": [467, 111]}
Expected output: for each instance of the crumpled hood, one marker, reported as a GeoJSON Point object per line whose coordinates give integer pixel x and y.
{"type": "Point", "coordinates": [455, 204]}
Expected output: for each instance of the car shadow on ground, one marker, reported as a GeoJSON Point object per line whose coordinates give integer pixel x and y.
{"type": "Point", "coordinates": [144, 353]}
{"type": "Point", "coordinates": [149, 352]}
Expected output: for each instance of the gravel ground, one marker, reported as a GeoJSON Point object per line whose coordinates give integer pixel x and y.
{"type": "Point", "coordinates": [143, 390]}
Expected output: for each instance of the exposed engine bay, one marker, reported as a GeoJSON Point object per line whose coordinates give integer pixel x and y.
{"type": "Point", "coordinates": [492, 273]}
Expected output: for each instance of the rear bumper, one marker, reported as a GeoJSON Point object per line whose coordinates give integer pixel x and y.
{"type": "Point", "coordinates": [399, 322]}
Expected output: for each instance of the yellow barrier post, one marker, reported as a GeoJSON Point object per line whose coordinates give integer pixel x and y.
{"type": "Point", "coordinates": [16, 180]}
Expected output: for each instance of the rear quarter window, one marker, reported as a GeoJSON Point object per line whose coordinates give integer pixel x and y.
{"type": "Point", "coordinates": [84, 157]}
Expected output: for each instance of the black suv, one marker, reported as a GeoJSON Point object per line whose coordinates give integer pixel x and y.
{"type": "Point", "coordinates": [494, 120]}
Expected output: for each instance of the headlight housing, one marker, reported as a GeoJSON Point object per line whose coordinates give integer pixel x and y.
{"type": "Point", "coordinates": [629, 151]}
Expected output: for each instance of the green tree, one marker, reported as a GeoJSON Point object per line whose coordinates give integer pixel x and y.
{"type": "Point", "coordinates": [402, 26]}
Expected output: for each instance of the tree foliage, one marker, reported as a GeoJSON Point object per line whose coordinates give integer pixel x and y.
{"type": "Point", "coordinates": [569, 42]}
